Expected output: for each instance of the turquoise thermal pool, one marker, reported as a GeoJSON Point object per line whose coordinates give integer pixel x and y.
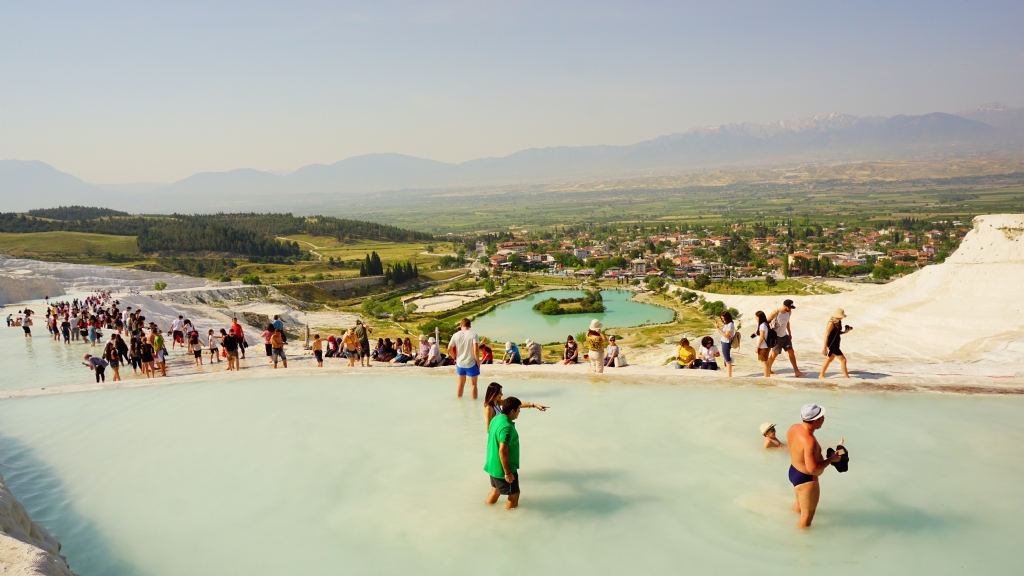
{"type": "Point", "coordinates": [381, 474]}
{"type": "Point", "coordinates": [517, 320]}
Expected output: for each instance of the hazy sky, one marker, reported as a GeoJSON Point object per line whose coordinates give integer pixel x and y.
{"type": "Point", "coordinates": [118, 92]}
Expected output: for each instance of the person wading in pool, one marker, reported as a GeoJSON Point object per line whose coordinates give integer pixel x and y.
{"type": "Point", "coordinates": [494, 401]}
{"type": "Point", "coordinates": [503, 454]}
{"type": "Point", "coordinates": [807, 462]}
{"type": "Point", "coordinates": [467, 350]}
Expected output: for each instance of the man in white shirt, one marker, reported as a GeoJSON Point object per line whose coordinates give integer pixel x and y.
{"type": "Point", "coordinates": [784, 333]}
{"type": "Point", "coordinates": [177, 331]}
{"type": "Point", "coordinates": [434, 355]}
{"type": "Point", "coordinates": [467, 350]}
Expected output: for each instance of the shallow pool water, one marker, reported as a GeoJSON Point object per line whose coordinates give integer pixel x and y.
{"type": "Point", "coordinates": [382, 475]}
{"type": "Point", "coordinates": [517, 320]}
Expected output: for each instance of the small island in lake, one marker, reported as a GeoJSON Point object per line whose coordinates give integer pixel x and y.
{"type": "Point", "coordinates": [590, 303]}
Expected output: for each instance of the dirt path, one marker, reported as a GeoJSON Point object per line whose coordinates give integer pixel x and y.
{"type": "Point", "coordinates": [313, 251]}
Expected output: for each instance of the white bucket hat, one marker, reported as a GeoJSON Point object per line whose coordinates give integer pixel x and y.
{"type": "Point", "coordinates": [596, 324]}
{"type": "Point", "coordinates": [811, 412]}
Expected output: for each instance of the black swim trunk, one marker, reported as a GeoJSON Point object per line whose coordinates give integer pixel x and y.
{"type": "Point", "coordinates": [197, 353]}
{"type": "Point", "coordinates": [319, 355]}
{"type": "Point", "coordinates": [27, 329]}
{"type": "Point", "coordinates": [504, 488]}
{"type": "Point", "coordinates": [365, 346]}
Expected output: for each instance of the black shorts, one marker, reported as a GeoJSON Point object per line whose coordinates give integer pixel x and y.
{"type": "Point", "coordinates": [319, 355]}
{"type": "Point", "coordinates": [504, 488]}
{"type": "Point", "coordinates": [197, 353]}
{"type": "Point", "coordinates": [835, 352]}
{"type": "Point", "coordinates": [270, 349]}
{"type": "Point", "coordinates": [365, 346]}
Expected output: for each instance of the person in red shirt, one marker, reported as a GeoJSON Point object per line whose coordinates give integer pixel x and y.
{"type": "Point", "coordinates": [236, 329]}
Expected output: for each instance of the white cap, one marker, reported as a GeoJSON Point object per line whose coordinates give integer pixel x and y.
{"type": "Point", "coordinates": [811, 412]}
{"type": "Point", "coordinates": [508, 345]}
{"type": "Point", "coordinates": [431, 340]}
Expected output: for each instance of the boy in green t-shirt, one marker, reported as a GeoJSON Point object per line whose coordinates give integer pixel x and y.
{"type": "Point", "coordinates": [503, 454]}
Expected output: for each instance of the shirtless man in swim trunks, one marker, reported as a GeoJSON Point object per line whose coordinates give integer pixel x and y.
{"type": "Point", "coordinates": [807, 463]}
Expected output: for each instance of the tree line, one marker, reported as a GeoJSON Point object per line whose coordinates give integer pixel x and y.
{"type": "Point", "coordinates": [244, 234]}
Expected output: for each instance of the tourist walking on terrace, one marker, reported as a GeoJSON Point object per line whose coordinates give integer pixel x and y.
{"type": "Point", "coordinates": [806, 462]}
{"type": "Point", "coordinates": [502, 462]}
{"type": "Point", "coordinates": [211, 340]}
{"type": "Point", "coordinates": [833, 335]}
{"type": "Point", "coordinates": [467, 350]}
{"type": "Point", "coordinates": [318, 350]}
{"type": "Point", "coordinates": [727, 333]}
{"type": "Point", "coordinates": [236, 329]}
{"type": "Point", "coordinates": [596, 342]}
{"type": "Point", "coordinates": [686, 356]}
{"type": "Point", "coordinates": [779, 321]}
{"type": "Point", "coordinates": [362, 333]}
{"type": "Point", "coordinates": [763, 336]}
{"type": "Point", "coordinates": [277, 348]}
{"type": "Point", "coordinates": [493, 400]}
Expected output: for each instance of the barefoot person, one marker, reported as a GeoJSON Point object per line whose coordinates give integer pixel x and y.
{"type": "Point", "coordinates": [493, 401]}
{"type": "Point", "coordinates": [467, 350]}
{"type": "Point", "coordinates": [763, 350]}
{"type": "Point", "coordinates": [503, 454]}
{"type": "Point", "coordinates": [784, 336]}
{"type": "Point", "coordinates": [833, 335]}
{"type": "Point", "coordinates": [807, 462]}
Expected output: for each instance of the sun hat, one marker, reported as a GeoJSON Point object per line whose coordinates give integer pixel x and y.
{"type": "Point", "coordinates": [811, 412]}
{"type": "Point", "coordinates": [765, 427]}
{"type": "Point", "coordinates": [431, 340]}
{"type": "Point", "coordinates": [596, 324]}
{"type": "Point", "coordinates": [788, 303]}
{"type": "Point", "coordinates": [839, 313]}
{"type": "Point", "coordinates": [528, 341]}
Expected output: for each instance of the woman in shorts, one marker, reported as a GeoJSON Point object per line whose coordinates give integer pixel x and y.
{"type": "Point", "coordinates": [763, 351]}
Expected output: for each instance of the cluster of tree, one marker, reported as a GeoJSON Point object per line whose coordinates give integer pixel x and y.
{"type": "Point", "coordinates": [392, 307]}
{"type": "Point", "coordinates": [244, 234]}
{"type": "Point", "coordinates": [447, 261]}
{"type": "Point", "coordinates": [199, 236]}
{"type": "Point", "coordinates": [400, 272]}
{"type": "Point", "coordinates": [813, 266]}
{"type": "Point", "coordinates": [75, 213]}
{"type": "Point", "coordinates": [338, 228]}
{"type": "Point", "coordinates": [200, 267]}
{"type": "Point", "coordinates": [371, 265]}
{"type": "Point", "coordinates": [592, 302]}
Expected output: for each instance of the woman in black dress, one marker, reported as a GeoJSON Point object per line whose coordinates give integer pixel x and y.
{"type": "Point", "coordinates": [834, 331]}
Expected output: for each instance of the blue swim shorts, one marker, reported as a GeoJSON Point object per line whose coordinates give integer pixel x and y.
{"type": "Point", "coordinates": [472, 372]}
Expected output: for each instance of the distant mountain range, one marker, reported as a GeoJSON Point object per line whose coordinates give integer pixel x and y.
{"type": "Point", "coordinates": [991, 128]}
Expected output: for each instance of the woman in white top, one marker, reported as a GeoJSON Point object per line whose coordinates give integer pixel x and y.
{"type": "Point", "coordinates": [762, 342]}
{"type": "Point", "coordinates": [727, 330]}
{"type": "Point", "coordinates": [707, 353]}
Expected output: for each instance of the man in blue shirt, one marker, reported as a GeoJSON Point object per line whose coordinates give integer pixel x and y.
{"type": "Point", "coordinates": [511, 354]}
{"type": "Point", "coordinates": [279, 325]}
